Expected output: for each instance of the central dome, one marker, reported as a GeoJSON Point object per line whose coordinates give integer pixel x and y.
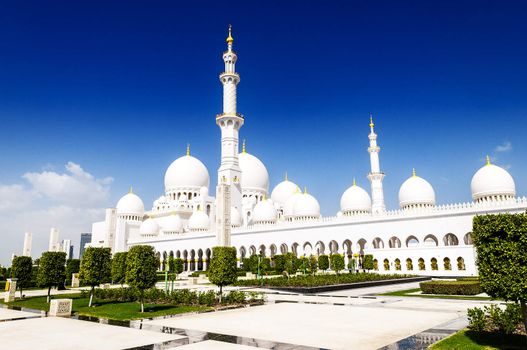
{"type": "Point", "coordinates": [416, 192]}
{"type": "Point", "coordinates": [186, 172]}
{"type": "Point", "coordinates": [254, 174]}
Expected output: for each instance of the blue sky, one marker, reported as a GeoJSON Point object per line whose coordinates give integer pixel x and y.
{"type": "Point", "coordinates": [96, 96]}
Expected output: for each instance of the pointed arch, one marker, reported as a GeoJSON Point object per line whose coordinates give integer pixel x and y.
{"type": "Point", "coordinates": [394, 242]}
{"type": "Point", "coordinates": [430, 241]}
{"type": "Point", "coordinates": [450, 239]}
{"type": "Point", "coordinates": [378, 243]}
{"type": "Point", "coordinates": [412, 241]}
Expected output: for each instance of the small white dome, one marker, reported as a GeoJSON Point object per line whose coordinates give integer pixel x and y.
{"type": "Point", "coordinates": [199, 221]}
{"type": "Point", "coordinates": [130, 204]}
{"type": "Point", "coordinates": [254, 173]}
{"type": "Point", "coordinates": [355, 199]}
{"type": "Point", "coordinates": [416, 192]}
{"type": "Point", "coordinates": [236, 217]}
{"type": "Point", "coordinates": [186, 172]}
{"type": "Point", "coordinates": [149, 227]}
{"type": "Point", "coordinates": [264, 212]}
{"type": "Point", "coordinates": [492, 181]}
{"type": "Point", "coordinates": [306, 206]}
{"type": "Point", "coordinates": [289, 206]}
{"type": "Point", "coordinates": [173, 224]}
{"type": "Point", "coordinates": [283, 191]}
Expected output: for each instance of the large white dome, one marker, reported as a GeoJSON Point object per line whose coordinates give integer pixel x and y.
{"type": "Point", "coordinates": [186, 172]}
{"type": "Point", "coordinates": [264, 212]}
{"type": "Point", "coordinates": [283, 191]}
{"type": "Point", "coordinates": [130, 204]}
{"type": "Point", "coordinates": [173, 224]}
{"type": "Point", "coordinates": [254, 173]}
{"type": "Point", "coordinates": [306, 206]}
{"type": "Point", "coordinates": [355, 200]}
{"type": "Point", "coordinates": [199, 221]}
{"type": "Point", "coordinates": [149, 227]}
{"type": "Point", "coordinates": [492, 182]}
{"type": "Point", "coordinates": [416, 192]}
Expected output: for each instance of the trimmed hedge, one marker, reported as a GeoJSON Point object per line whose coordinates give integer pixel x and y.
{"type": "Point", "coordinates": [319, 280]}
{"type": "Point", "coordinates": [460, 287]}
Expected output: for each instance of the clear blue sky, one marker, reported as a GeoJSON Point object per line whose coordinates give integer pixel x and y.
{"type": "Point", "coordinates": [120, 88]}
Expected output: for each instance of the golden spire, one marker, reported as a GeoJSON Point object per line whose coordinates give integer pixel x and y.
{"type": "Point", "coordinates": [188, 149]}
{"type": "Point", "coordinates": [413, 172]}
{"type": "Point", "coordinates": [297, 189]}
{"type": "Point", "coordinates": [354, 182]}
{"type": "Point", "coordinates": [371, 121]}
{"type": "Point", "coordinates": [488, 160]}
{"type": "Point", "coordinates": [230, 39]}
{"type": "Point", "coordinates": [131, 190]}
{"type": "Point", "coordinates": [243, 147]}
{"type": "Point", "coordinates": [285, 178]}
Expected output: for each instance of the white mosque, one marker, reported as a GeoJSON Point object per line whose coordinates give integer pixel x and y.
{"type": "Point", "coordinates": [420, 237]}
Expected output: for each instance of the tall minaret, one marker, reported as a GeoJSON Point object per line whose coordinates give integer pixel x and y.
{"type": "Point", "coordinates": [230, 122]}
{"type": "Point", "coordinates": [375, 176]}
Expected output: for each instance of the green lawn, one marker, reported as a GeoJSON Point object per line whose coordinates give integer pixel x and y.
{"type": "Point", "coordinates": [111, 310]}
{"type": "Point", "coordinates": [406, 293]}
{"type": "Point", "coordinates": [470, 340]}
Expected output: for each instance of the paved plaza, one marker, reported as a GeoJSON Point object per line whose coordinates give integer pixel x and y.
{"type": "Point", "coordinates": [349, 319]}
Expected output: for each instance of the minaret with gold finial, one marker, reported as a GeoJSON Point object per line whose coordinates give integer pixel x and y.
{"type": "Point", "coordinates": [375, 176]}
{"type": "Point", "coordinates": [228, 192]}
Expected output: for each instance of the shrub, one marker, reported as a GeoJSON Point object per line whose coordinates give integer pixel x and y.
{"type": "Point", "coordinates": [313, 264]}
{"type": "Point", "coordinates": [265, 266]}
{"type": "Point", "coordinates": [290, 263]}
{"type": "Point", "coordinates": [323, 262]}
{"type": "Point", "coordinates": [279, 263]}
{"type": "Point", "coordinates": [476, 319]}
{"type": "Point", "coordinates": [235, 297]}
{"type": "Point", "coordinates": [22, 268]}
{"type": "Point", "coordinates": [207, 298]}
{"type": "Point", "coordinates": [119, 268]}
{"type": "Point", "coordinates": [451, 287]}
{"type": "Point", "coordinates": [367, 262]}
{"type": "Point", "coordinates": [337, 263]}
{"type": "Point", "coordinates": [72, 266]}
{"type": "Point", "coordinates": [352, 264]}
{"type": "Point", "coordinates": [504, 321]}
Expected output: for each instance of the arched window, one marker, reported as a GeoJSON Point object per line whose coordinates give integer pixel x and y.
{"type": "Point", "coordinates": [409, 264]}
{"type": "Point", "coordinates": [430, 241]}
{"type": "Point", "coordinates": [412, 241]}
{"type": "Point", "coordinates": [386, 265]}
{"type": "Point", "coordinates": [378, 243]}
{"type": "Point", "coordinates": [446, 264]}
{"type": "Point", "coordinates": [394, 242]}
{"type": "Point", "coordinates": [450, 239]}
{"type": "Point", "coordinates": [467, 239]}
{"type": "Point", "coordinates": [421, 263]}
{"type": "Point", "coordinates": [460, 264]}
{"type": "Point", "coordinates": [433, 264]}
{"type": "Point", "coordinates": [397, 264]}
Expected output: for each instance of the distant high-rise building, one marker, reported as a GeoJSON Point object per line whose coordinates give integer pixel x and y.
{"type": "Point", "coordinates": [27, 244]}
{"type": "Point", "coordinates": [70, 256]}
{"type": "Point", "coordinates": [85, 239]}
{"type": "Point", "coordinates": [66, 247]}
{"type": "Point", "coordinates": [54, 245]}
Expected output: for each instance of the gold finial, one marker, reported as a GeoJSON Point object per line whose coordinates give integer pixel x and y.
{"type": "Point", "coordinates": [188, 149]}
{"type": "Point", "coordinates": [413, 172]}
{"type": "Point", "coordinates": [297, 189]}
{"type": "Point", "coordinates": [305, 189]}
{"type": "Point", "coordinates": [354, 182]}
{"type": "Point", "coordinates": [286, 179]}
{"type": "Point", "coordinates": [371, 121]}
{"type": "Point", "coordinates": [230, 39]}
{"type": "Point", "coordinates": [131, 190]}
{"type": "Point", "coordinates": [243, 147]}
{"type": "Point", "coordinates": [488, 160]}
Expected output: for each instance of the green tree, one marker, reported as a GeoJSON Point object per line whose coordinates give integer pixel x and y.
{"type": "Point", "coordinates": [119, 268]}
{"type": "Point", "coordinates": [323, 262]}
{"type": "Point", "coordinates": [367, 262]}
{"type": "Point", "coordinates": [52, 270]}
{"type": "Point", "coordinates": [95, 268]}
{"type": "Point", "coordinates": [501, 243]}
{"type": "Point", "coordinates": [72, 266]}
{"type": "Point", "coordinates": [313, 264]}
{"type": "Point", "coordinates": [265, 265]}
{"type": "Point", "coordinates": [141, 269]}
{"type": "Point", "coordinates": [222, 270]}
{"type": "Point", "coordinates": [337, 263]}
{"type": "Point", "coordinates": [279, 263]}
{"type": "Point", "coordinates": [22, 268]}
{"type": "Point", "coordinates": [290, 263]}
